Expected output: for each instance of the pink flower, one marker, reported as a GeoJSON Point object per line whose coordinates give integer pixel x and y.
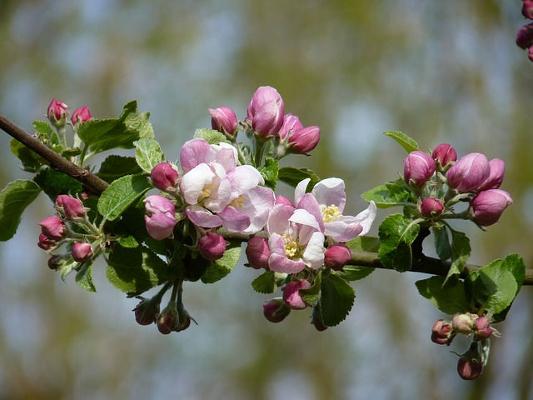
{"type": "Point", "coordinates": [164, 176]}
{"type": "Point", "coordinates": [431, 206]}
{"type": "Point", "coordinates": [524, 36]}
{"type": "Point", "coordinates": [496, 173]}
{"type": "Point", "coordinates": [337, 256]}
{"type": "Point", "coordinates": [291, 294]}
{"type": "Point", "coordinates": [80, 115]}
{"type": "Point", "coordinates": [220, 193]}
{"type": "Point", "coordinates": [258, 252]}
{"type": "Point", "coordinates": [81, 251]}
{"type": "Point", "coordinates": [57, 112]}
{"type": "Point", "coordinates": [304, 140]}
{"type": "Point", "coordinates": [483, 328]}
{"type": "Point", "coordinates": [53, 227]}
{"type": "Point", "coordinates": [291, 123]}
{"type": "Point", "coordinates": [212, 246]}
{"type": "Point", "coordinates": [489, 205]}
{"type": "Point", "coordinates": [442, 332]}
{"type": "Point", "coordinates": [283, 200]}
{"type": "Point", "coordinates": [418, 168]}
{"type": "Point", "coordinates": [527, 9]}
{"type": "Point", "coordinates": [275, 310]}
{"type": "Point", "coordinates": [266, 111]}
{"type": "Point", "coordinates": [45, 242]}
{"type": "Point", "coordinates": [70, 206]}
{"type": "Point", "coordinates": [224, 119]}
{"type": "Point", "coordinates": [444, 154]}
{"type": "Point", "coordinates": [468, 173]}
{"type": "Point", "coordinates": [469, 368]}
{"type": "Point", "coordinates": [160, 217]}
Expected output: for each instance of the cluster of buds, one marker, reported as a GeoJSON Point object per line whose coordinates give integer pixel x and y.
{"type": "Point", "coordinates": [479, 327]}
{"type": "Point", "coordinates": [524, 36]}
{"type": "Point", "coordinates": [58, 114]}
{"type": "Point", "coordinates": [441, 180]}
{"type": "Point", "coordinates": [70, 226]}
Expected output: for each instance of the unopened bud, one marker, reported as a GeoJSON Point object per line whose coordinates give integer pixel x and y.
{"type": "Point", "coordinates": [291, 294]}
{"type": "Point", "coordinates": [442, 332]}
{"type": "Point", "coordinates": [45, 242]}
{"type": "Point", "coordinates": [431, 207]}
{"type": "Point", "coordinates": [468, 173]}
{"type": "Point", "coordinates": [275, 310]}
{"type": "Point", "coordinates": [304, 140]}
{"type": "Point", "coordinates": [165, 176]}
{"type": "Point", "coordinates": [81, 251]}
{"type": "Point", "coordinates": [444, 154]}
{"type": "Point", "coordinates": [70, 206]}
{"type": "Point", "coordinates": [53, 227]}
{"type": "Point", "coordinates": [489, 205]}
{"type": "Point", "coordinates": [527, 9]}
{"type": "Point", "coordinates": [160, 218]}
{"type": "Point", "coordinates": [258, 252]}
{"type": "Point", "coordinates": [418, 167]}
{"type": "Point", "coordinates": [483, 328]}
{"type": "Point", "coordinates": [495, 178]}
{"type": "Point", "coordinates": [463, 323]}
{"type": "Point", "coordinates": [80, 115]}
{"type": "Point", "coordinates": [266, 111]}
{"type": "Point", "coordinates": [469, 368]}
{"type": "Point", "coordinates": [146, 311]}
{"type": "Point", "coordinates": [57, 113]}
{"type": "Point", "coordinates": [167, 320]}
{"type": "Point", "coordinates": [54, 262]}
{"type": "Point", "coordinates": [524, 36]}
{"type": "Point", "coordinates": [291, 123]}
{"type": "Point", "coordinates": [224, 119]}
{"type": "Point", "coordinates": [337, 256]}
{"type": "Point", "coordinates": [212, 246]}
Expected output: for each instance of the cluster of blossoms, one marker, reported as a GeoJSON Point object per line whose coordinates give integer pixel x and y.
{"type": "Point", "coordinates": [443, 181]}
{"type": "Point", "coordinates": [471, 363]}
{"type": "Point", "coordinates": [58, 114]}
{"type": "Point", "coordinates": [524, 36]}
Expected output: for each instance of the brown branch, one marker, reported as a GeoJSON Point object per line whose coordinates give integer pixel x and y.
{"type": "Point", "coordinates": [423, 264]}
{"type": "Point", "coordinates": [91, 181]}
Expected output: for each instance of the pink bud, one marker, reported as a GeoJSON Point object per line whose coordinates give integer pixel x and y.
{"type": "Point", "coordinates": [431, 207]}
{"type": "Point", "coordinates": [524, 36]}
{"type": "Point", "coordinates": [418, 168]}
{"type": "Point", "coordinates": [146, 312]}
{"type": "Point", "coordinates": [45, 242]}
{"type": "Point", "coordinates": [52, 227]}
{"type": "Point", "coordinates": [258, 252]}
{"type": "Point", "coordinates": [266, 111]}
{"type": "Point", "coordinates": [167, 320]}
{"type": "Point", "coordinates": [489, 205]}
{"type": "Point", "coordinates": [224, 119]}
{"type": "Point", "coordinates": [527, 9]}
{"type": "Point", "coordinates": [70, 206]}
{"type": "Point", "coordinates": [275, 310]}
{"type": "Point", "coordinates": [81, 251]}
{"type": "Point", "coordinates": [463, 323]}
{"type": "Point", "coordinates": [283, 201]}
{"type": "Point", "coordinates": [483, 328]}
{"type": "Point", "coordinates": [469, 368]}
{"type": "Point", "coordinates": [291, 124]}
{"type": "Point", "coordinates": [337, 256]}
{"type": "Point", "coordinates": [80, 115]}
{"type": "Point", "coordinates": [291, 294]}
{"type": "Point", "coordinates": [165, 176]}
{"type": "Point", "coordinates": [57, 112]}
{"type": "Point", "coordinates": [212, 246]}
{"type": "Point", "coordinates": [160, 217]}
{"type": "Point", "coordinates": [444, 154]}
{"type": "Point", "coordinates": [468, 173]}
{"type": "Point", "coordinates": [495, 178]}
{"type": "Point", "coordinates": [304, 140]}
{"type": "Point", "coordinates": [442, 332]}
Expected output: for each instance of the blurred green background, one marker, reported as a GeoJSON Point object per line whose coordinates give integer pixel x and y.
{"type": "Point", "coordinates": [438, 70]}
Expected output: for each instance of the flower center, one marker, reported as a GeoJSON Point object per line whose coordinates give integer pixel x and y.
{"type": "Point", "coordinates": [206, 192]}
{"type": "Point", "coordinates": [291, 246]}
{"type": "Point", "coordinates": [330, 213]}
{"type": "Point", "coordinates": [238, 202]}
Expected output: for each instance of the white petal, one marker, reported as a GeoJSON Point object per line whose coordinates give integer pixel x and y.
{"type": "Point", "coordinates": [366, 218]}
{"type": "Point", "coordinates": [244, 178]}
{"type": "Point", "coordinates": [314, 252]}
{"type": "Point", "coordinates": [304, 217]}
{"type": "Point", "coordinates": [331, 191]}
{"type": "Point", "coordinates": [300, 190]}
{"type": "Point", "coordinates": [194, 181]}
{"type": "Point", "coordinates": [278, 219]}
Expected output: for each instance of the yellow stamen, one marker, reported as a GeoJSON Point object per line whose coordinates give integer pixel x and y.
{"type": "Point", "coordinates": [292, 247]}
{"type": "Point", "coordinates": [238, 202]}
{"type": "Point", "coordinates": [330, 213]}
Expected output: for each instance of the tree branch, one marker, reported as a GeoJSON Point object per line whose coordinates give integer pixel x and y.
{"type": "Point", "coordinates": [423, 264]}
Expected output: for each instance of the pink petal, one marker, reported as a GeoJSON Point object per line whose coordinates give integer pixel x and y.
{"type": "Point", "coordinates": [279, 263]}
{"type": "Point", "coordinates": [244, 178]}
{"type": "Point", "coordinates": [195, 152]}
{"type": "Point", "coordinates": [300, 190]}
{"type": "Point", "coordinates": [234, 220]}
{"type": "Point", "coordinates": [366, 218]}
{"type": "Point", "coordinates": [314, 252]}
{"type": "Point", "coordinates": [343, 229]}
{"type": "Point", "coordinates": [331, 191]}
{"type": "Point", "coordinates": [310, 204]}
{"type": "Point", "coordinates": [202, 217]}
{"type": "Point", "coordinates": [303, 217]}
{"type": "Point", "coordinates": [278, 219]}
{"type": "Point", "coordinates": [193, 182]}
{"type": "Point", "coordinates": [257, 205]}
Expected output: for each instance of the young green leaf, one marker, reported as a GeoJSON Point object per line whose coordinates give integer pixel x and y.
{"type": "Point", "coordinates": [265, 283]}
{"type": "Point", "coordinates": [223, 266]}
{"type": "Point", "coordinates": [293, 176]}
{"type": "Point", "coordinates": [270, 172]}
{"type": "Point", "coordinates": [84, 278]}
{"type": "Point", "coordinates": [45, 132]}
{"type": "Point", "coordinates": [389, 194]}
{"type": "Point", "coordinates": [31, 161]}
{"type": "Point", "coordinates": [121, 194]}
{"type": "Point", "coordinates": [352, 273]}
{"type": "Point", "coordinates": [115, 167]}
{"type": "Point", "coordinates": [396, 235]}
{"type": "Point", "coordinates": [460, 253]}
{"type": "Point", "coordinates": [407, 142]}
{"type": "Point", "coordinates": [148, 154]}
{"type": "Point", "coordinates": [442, 242]}
{"type": "Point", "coordinates": [364, 243]}
{"type": "Point", "coordinates": [450, 298]}
{"type": "Point", "coordinates": [54, 183]}
{"type": "Point", "coordinates": [212, 136]}
{"type": "Point", "coordinates": [14, 199]}
{"type": "Point", "coordinates": [336, 299]}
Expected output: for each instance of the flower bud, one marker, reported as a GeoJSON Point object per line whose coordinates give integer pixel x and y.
{"type": "Point", "coordinates": [283, 201]}
{"type": "Point", "coordinates": [146, 311]}
{"type": "Point", "coordinates": [52, 227]}
{"type": "Point", "coordinates": [463, 323]}
{"type": "Point", "coordinates": [45, 242]}
{"type": "Point", "coordinates": [527, 9]}
{"type": "Point", "coordinates": [167, 320]}
{"type": "Point", "coordinates": [496, 173]}
{"type": "Point", "coordinates": [54, 262]}
{"type": "Point", "coordinates": [304, 140]}
{"type": "Point", "coordinates": [291, 294]}
{"type": "Point", "coordinates": [442, 332]}
{"type": "Point", "coordinates": [224, 119]}
{"type": "Point", "coordinates": [291, 123]}
{"type": "Point", "coordinates": [489, 205]}
{"type": "Point", "coordinates": [468, 173]}
{"type": "Point", "coordinates": [275, 310]}
{"type": "Point", "coordinates": [160, 217]}
{"type": "Point", "coordinates": [524, 36]}
{"type": "Point", "coordinates": [469, 368]}
{"type": "Point", "coordinates": [418, 167]}
{"type": "Point", "coordinates": [184, 320]}
{"type": "Point", "coordinates": [444, 154]}
{"type": "Point", "coordinates": [431, 207]}
{"type": "Point", "coordinates": [57, 113]}
{"type": "Point", "coordinates": [81, 251]}
{"type": "Point", "coordinates": [80, 115]}
{"type": "Point", "coordinates": [258, 252]}
{"type": "Point", "coordinates": [70, 206]}
{"type": "Point", "coordinates": [316, 320]}
{"type": "Point", "coordinates": [165, 176]}
{"type": "Point", "coordinates": [337, 256]}
{"type": "Point", "coordinates": [483, 328]}
{"type": "Point", "coordinates": [266, 111]}
{"type": "Point", "coordinates": [212, 246]}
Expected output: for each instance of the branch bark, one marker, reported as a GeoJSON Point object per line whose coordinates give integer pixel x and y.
{"type": "Point", "coordinates": [423, 264]}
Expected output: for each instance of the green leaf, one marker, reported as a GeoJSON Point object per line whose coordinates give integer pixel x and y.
{"type": "Point", "coordinates": [45, 132]}
{"type": "Point", "coordinates": [407, 142]}
{"type": "Point", "coordinates": [14, 199]}
{"type": "Point", "coordinates": [121, 194]}
{"type": "Point", "coordinates": [364, 243]}
{"type": "Point", "coordinates": [495, 286]}
{"type": "Point", "coordinates": [450, 298]}
{"type": "Point", "coordinates": [293, 176]}
{"type": "Point", "coordinates": [396, 234]}
{"type": "Point", "coordinates": [55, 183]}
{"type": "Point", "coordinates": [66, 266]}
{"type": "Point", "coordinates": [84, 278]}
{"type": "Point", "coordinates": [31, 161]}
{"type": "Point", "coordinates": [105, 134]}
{"type": "Point", "coordinates": [148, 154]}
{"type": "Point", "coordinates": [136, 270]}
{"type": "Point", "coordinates": [311, 296]}
{"type": "Point", "coordinates": [442, 242]}
{"type": "Point", "coordinates": [128, 242]}
{"type": "Point", "coordinates": [352, 273]}
{"type": "Point", "coordinates": [336, 299]}
{"type": "Point", "coordinates": [265, 283]}
{"type": "Point", "coordinates": [270, 172]}
{"type": "Point", "coordinates": [223, 266]}
{"type": "Point", "coordinates": [212, 136]}
{"type": "Point", "coordinates": [389, 194]}
{"type": "Point", "coordinates": [460, 253]}
{"type": "Point", "coordinates": [115, 167]}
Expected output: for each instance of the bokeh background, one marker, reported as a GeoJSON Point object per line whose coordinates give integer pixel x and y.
{"type": "Point", "coordinates": [438, 70]}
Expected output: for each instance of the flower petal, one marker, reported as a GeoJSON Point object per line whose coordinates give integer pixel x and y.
{"type": "Point", "coordinates": [195, 152]}
{"type": "Point", "coordinates": [226, 154]}
{"type": "Point", "coordinates": [257, 204]}
{"type": "Point", "coordinates": [309, 203]}
{"type": "Point", "coordinates": [234, 220]}
{"type": "Point", "coordinates": [193, 182]}
{"type": "Point", "coordinates": [366, 218]}
{"type": "Point", "coordinates": [343, 229]}
{"type": "Point", "coordinates": [304, 217]}
{"type": "Point", "coordinates": [278, 219]}
{"type": "Point", "coordinates": [280, 263]}
{"type": "Point", "coordinates": [314, 252]}
{"type": "Point", "coordinates": [201, 217]}
{"type": "Point", "coordinates": [331, 191]}
{"type": "Point", "coordinates": [244, 178]}
{"type": "Point", "coordinates": [300, 190]}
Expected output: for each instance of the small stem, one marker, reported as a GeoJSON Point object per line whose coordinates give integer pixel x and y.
{"type": "Point", "coordinates": [259, 146]}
